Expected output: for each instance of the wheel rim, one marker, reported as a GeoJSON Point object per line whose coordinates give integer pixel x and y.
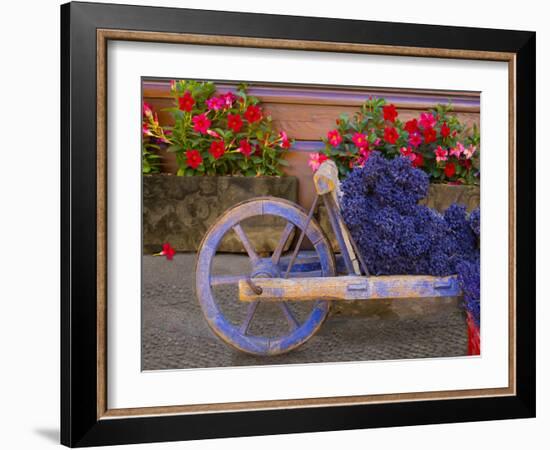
{"type": "Point", "coordinates": [237, 334]}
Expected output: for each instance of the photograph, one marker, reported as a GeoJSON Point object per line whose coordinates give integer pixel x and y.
{"type": "Point", "coordinates": [288, 223]}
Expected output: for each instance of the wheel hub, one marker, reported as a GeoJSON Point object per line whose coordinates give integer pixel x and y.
{"type": "Point", "coordinates": [265, 269]}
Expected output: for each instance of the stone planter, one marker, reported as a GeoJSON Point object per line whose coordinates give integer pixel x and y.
{"type": "Point", "coordinates": [179, 210]}
{"type": "Point", "coordinates": [440, 197]}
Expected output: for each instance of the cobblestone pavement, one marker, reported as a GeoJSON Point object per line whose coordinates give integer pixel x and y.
{"type": "Point", "coordinates": [175, 334]}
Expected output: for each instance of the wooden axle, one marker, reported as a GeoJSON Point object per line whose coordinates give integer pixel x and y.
{"type": "Point", "coordinates": [349, 288]}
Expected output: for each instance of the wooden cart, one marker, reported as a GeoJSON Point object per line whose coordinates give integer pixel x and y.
{"type": "Point", "coordinates": [313, 279]}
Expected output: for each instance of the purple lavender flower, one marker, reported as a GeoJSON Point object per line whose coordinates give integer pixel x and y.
{"type": "Point", "coordinates": [397, 236]}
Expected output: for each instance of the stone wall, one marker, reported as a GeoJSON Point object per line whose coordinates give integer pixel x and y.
{"type": "Point", "coordinates": [179, 210]}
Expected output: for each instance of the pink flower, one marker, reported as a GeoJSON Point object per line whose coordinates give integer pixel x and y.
{"type": "Point", "coordinates": [407, 152]}
{"type": "Point", "coordinates": [146, 130]}
{"type": "Point", "coordinates": [147, 111]}
{"type": "Point", "coordinates": [469, 152]}
{"type": "Point", "coordinates": [440, 154]}
{"type": "Point", "coordinates": [427, 120]}
{"type": "Point", "coordinates": [377, 142]}
{"type": "Point", "coordinates": [215, 103]}
{"type": "Point", "coordinates": [364, 154]}
{"type": "Point", "coordinates": [228, 99]}
{"type": "Point", "coordinates": [360, 140]}
{"type": "Point", "coordinates": [415, 139]}
{"type": "Point", "coordinates": [315, 160]}
{"type": "Point", "coordinates": [201, 123]}
{"type": "Point", "coordinates": [457, 151]}
{"type": "Point", "coordinates": [285, 142]}
{"type": "Point", "coordinates": [334, 138]}
{"type": "Point", "coordinates": [212, 133]}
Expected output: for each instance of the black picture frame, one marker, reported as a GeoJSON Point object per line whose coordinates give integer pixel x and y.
{"type": "Point", "coordinates": [80, 424]}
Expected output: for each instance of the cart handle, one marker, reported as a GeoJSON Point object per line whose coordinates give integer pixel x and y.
{"type": "Point", "coordinates": [325, 178]}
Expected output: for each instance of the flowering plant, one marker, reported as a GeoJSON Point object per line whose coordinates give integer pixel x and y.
{"type": "Point", "coordinates": [153, 135]}
{"type": "Point", "coordinates": [222, 134]}
{"type": "Point", "coordinates": [436, 141]}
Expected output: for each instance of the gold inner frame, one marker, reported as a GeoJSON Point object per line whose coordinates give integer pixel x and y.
{"type": "Point", "coordinates": [103, 36]}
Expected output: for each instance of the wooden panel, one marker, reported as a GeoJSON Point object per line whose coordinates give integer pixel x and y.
{"type": "Point", "coordinates": [312, 122]}
{"type": "Point", "coordinates": [419, 99]}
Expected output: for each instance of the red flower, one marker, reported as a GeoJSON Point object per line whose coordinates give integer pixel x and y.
{"type": "Point", "coordinates": [408, 153]}
{"type": "Point", "coordinates": [245, 147]}
{"type": "Point", "coordinates": [334, 138]}
{"type": "Point", "coordinates": [450, 169]}
{"type": "Point", "coordinates": [194, 158]}
{"type": "Point", "coordinates": [429, 135]}
{"type": "Point", "coordinates": [467, 163]}
{"type": "Point", "coordinates": [167, 251]}
{"type": "Point", "coordinates": [234, 122]}
{"type": "Point", "coordinates": [390, 113]}
{"type": "Point", "coordinates": [411, 126]}
{"type": "Point", "coordinates": [217, 149]}
{"type": "Point", "coordinates": [186, 102]}
{"type": "Point", "coordinates": [253, 113]}
{"type": "Point", "coordinates": [360, 140]}
{"type": "Point", "coordinates": [285, 141]}
{"type": "Point", "coordinates": [418, 161]}
{"type": "Point", "coordinates": [390, 135]}
{"type": "Point", "coordinates": [445, 130]}
{"type": "Point", "coordinates": [473, 336]}
{"type": "Point", "coordinates": [201, 123]}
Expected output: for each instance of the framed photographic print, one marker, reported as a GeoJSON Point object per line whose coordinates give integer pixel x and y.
{"type": "Point", "coordinates": [267, 221]}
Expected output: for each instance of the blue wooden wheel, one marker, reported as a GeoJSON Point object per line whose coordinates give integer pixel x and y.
{"type": "Point", "coordinates": [238, 328]}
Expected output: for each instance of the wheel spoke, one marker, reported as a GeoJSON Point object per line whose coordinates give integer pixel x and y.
{"type": "Point", "coordinates": [281, 245]}
{"type": "Point", "coordinates": [291, 319]}
{"type": "Point", "coordinates": [217, 280]}
{"type": "Point", "coordinates": [251, 310]}
{"type": "Point", "coordinates": [246, 242]}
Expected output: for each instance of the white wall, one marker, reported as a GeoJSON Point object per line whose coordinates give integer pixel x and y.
{"type": "Point", "coordinates": [29, 225]}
